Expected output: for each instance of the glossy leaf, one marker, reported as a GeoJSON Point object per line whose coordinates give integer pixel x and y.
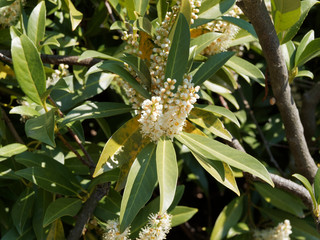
{"type": "Point", "coordinates": [75, 15]}
{"type": "Point", "coordinates": [211, 66]}
{"type": "Point", "coordinates": [22, 209]}
{"type": "Point", "coordinates": [28, 68]}
{"type": "Point", "coordinates": [242, 24]}
{"type": "Point", "coordinates": [24, 110]}
{"type": "Point", "coordinates": [220, 171]}
{"type": "Point", "coordinates": [95, 110]}
{"type": "Point", "coordinates": [126, 141]}
{"type": "Point", "coordinates": [162, 7]}
{"type": "Point", "coordinates": [49, 180]}
{"type": "Point", "coordinates": [140, 184]}
{"type": "Point", "coordinates": [289, 53]}
{"type": "Point", "coordinates": [211, 149]}
{"type": "Point", "coordinates": [167, 172]}
{"type": "Point", "coordinates": [185, 9]}
{"type": "Point", "coordinates": [179, 51]}
{"type": "Point", "coordinates": [306, 5]}
{"type": "Point", "coordinates": [181, 214]}
{"type": "Point", "coordinates": [61, 207]}
{"type": "Point", "coordinates": [12, 149]}
{"type": "Point", "coordinates": [37, 24]}
{"type": "Point", "coordinates": [229, 217]}
{"type": "Point", "coordinates": [118, 68]}
{"type": "Point", "coordinates": [218, 110]}
{"type": "Point", "coordinates": [95, 54]}
{"type": "Point", "coordinates": [246, 68]}
{"type": "Point", "coordinates": [204, 40]}
{"type": "Point", "coordinates": [281, 199]}
{"type": "Point", "coordinates": [56, 231]}
{"type": "Point", "coordinates": [305, 73]}
{"type": "Point", "coordinates": [141, 6]}
{"type": "Point", "coordinates": [42, 128]}
{"type": "Point", "coordinates": [211, 10]}
{"type": "Point", "coordinates": [308, 37]}
{"type": "Point", "coordinates": [311, 51]}
{"type": "Point", "coordinates": [316, 186]}
{"type": "Point", "coordinates": [307, 185]}
{"type": "Point", "coordinates": [209, 121]}
{"type": "Point", "coordinates": [285, 13]}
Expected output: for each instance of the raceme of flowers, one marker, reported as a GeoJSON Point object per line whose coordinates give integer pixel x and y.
{"type": "Point", "coordinates": [228, 31]}
{"type": "Point", "coordinates": [157, 228]}
{"type": "Point", "coordinates": [9, 14]}
{"type": "Point", "coordinates": [165, 113]}
{"type": "Point", "coordinates": [62, 71]}
{"type": "Point", "coordinates": [280, 232]}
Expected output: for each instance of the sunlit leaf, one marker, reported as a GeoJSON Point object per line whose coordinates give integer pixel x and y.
{"type": "Point", "coordinates": [75, 15]}
{"type": "Point", "coordinates": [37, 23]}
{"type": "Point", "coordinates": [12, 149]}
{"type": "Point", "coordinates": [181, 214]}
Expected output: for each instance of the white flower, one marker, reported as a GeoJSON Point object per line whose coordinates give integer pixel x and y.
{"type": "Point", "coordinates": [157, 228]}
{"type": "Point", "coordinates": [113, 231]}
{"type": "Point", "coordinates": [9, 14]}
{"type": "Point", "coordinates": [280, 232]}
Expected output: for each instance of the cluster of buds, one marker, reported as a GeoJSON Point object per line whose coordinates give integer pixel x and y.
{"type": "Point", "coordinates": [62, 71]}
{"type": "Point", "coordinates": [280, 232]}
{"type": "Point", "coordinates": [133, 42]}
{"type": "Point", "coordinates": [228, 32]}
{"type": "Point", "coordinates": [157, 228]}
{"type": "Point", "coordinates": [195, 5]}
{"type": "Point", "coordinates": [10, 14]}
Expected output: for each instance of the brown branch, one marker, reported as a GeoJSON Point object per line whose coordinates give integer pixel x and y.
{"type": "Point", "coordinates": [5, 55]}
{"type": "Point", "coordinates": [310, 101]}
{"type": "Point", "coordinates": [11, 127]}
{"type": "Point", "coordinates": [280, 182]}
{"type": "Point", "coordinates": [87, 210]}
{"type": "Point", "coordinates": [257, 13]}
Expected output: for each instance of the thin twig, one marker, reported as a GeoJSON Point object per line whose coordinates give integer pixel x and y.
{"type": "Point", "coordinates": [265, 142]}
{"type": "Point", "coordinates": [11, 127]}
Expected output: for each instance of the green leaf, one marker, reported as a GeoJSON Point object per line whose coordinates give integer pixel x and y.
{"type": "Point", "coordinates": [211, 66]}
{"type": "Point", "coordinates": [140, 184]}
{"type": "Point", "coordinates": [13, 234]}
{"type": "Point", "coordinates": [56, 231]}
{"type": "Point", "coordinates": [61, 207]}
{"type": "Point", "coordinates": [316, 186]}
{"type": "Point", "coordinates": [126, 141]}
{"type": "Point", "coordinates": [141, 6]}
{"type": "Point", "coordinates": [229, 217]}
{"type": "Point", "coordinates": [42, 201]}
{"type": "Point", "coordinates": [12, 149]}
{"type": "Point", "coordinates": [4, 3]}
{"type": "Point", "coordinates": [49, 180]}
{"type": "Point", "coordinates": [212, 9]}
{"type": "Point", "coordinates": [109, 176]}
{"type": "Point", "coordinates": [109, 207]}
{"type": "Point", "coordinates": [75, 15]}
{"type": "Point", "coordinates": [245, 68]}
{"type": "Point", "coordinates": [42, 128]}
{"type": "Point", "coordinates": [211, 149]}
{"type": "Point", "coordinates": [303, 44]}
{"type": "Point", "coordinates": [220, 171]}
{"type": "Point", "coordinates": [95, 110]}
{"type": "Point", "coordinates": [181, 214]}
{"type": "Point", "coordinates": [204, 40]}
{"type": "Point", "coordinates": [167, 171]}
{"type": "Point", "coordinates": [217, 110]}
{"type": "Point", "coordinates": [285, 13]}
{"type": "Point", "coordinates": [118, 68]}
{"type": "Point", "coordinates": [292, 31]}
{"type": "Point", "coordinates": [179, 51]}
{"type": "Point", "coordinates": [25, 111]}
{"type": "Point", "coordinates": [22, 209]}
{"type": "Point", "coordinates": [281, 199]}
{"type": "Point", "coordinates": [289, 53]}
{"type": "Point", "coordinates": [210, 122]}
{"type": "Point", "coordinates": [242, 24]}
{"type": "Point", "coordinates": [28, 68]}
{"type": "Point", "coordinates": [37, 24]}
{"type": "Point", "coordinates": [96, 54]}
{"type": "Point", "coordinates": [185, 9]}
{"type": "Point", "coordinates": [129, 5]}
{"type": "Point", "coordinates": [311, 51]}
{"type": "Point", "coordinates": [308, 186]}
{"type": "Point", "coordinates": [305, 73]}
{"type": "Point", "coordinates": [162, 7]}
{"type": "Point", "coordinates": [143, 24]}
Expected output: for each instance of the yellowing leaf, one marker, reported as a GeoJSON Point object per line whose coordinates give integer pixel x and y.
{"type": "Point", "coordinates": [56, 231]}
{"type": "Point", "coordinates": [5, 71]}
{"type": "Point", "coordinates": [190, 128]}
{"type": "Point", "coordinates": [145, 45]}
{"type": "Point", "coordinates": [210, 122]}
{"type": "Point", "coordinates": [121, 149]}
{"type": "Point", "coordinates": [196, 32]}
